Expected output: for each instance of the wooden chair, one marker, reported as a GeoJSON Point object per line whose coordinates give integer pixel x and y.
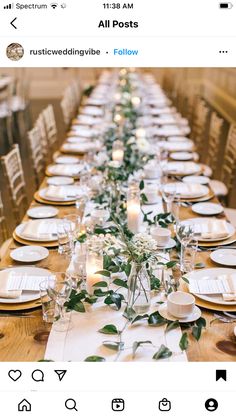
{"type": "Point", "coordinates": [212, 146]}
{"type": "Point", "coordinates": [51, 128]}
{"type": "Point", "coordinates": [14, 176]}
{"type": "Point", "coordinates": [4, 234]}
{"type": "Point", "coordinates": [36, 153]}
{"type": "Point", "coordinates": [40, 125]}
{"type": "Point", "coordinates": [200, 124]}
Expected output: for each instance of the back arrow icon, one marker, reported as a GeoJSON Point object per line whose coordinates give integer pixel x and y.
{"type": "Point", "coordinates": [12, 23]}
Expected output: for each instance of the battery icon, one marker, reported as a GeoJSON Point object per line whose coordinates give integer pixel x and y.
{"type": "Point", "coordinates": [225, 5]}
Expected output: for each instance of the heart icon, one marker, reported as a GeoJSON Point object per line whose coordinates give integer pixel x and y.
{"type": "Point", "coordinates": [14, 374]}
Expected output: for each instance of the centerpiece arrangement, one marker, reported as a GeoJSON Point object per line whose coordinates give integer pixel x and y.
{"type": "Point", "coordinates": [125, 268]}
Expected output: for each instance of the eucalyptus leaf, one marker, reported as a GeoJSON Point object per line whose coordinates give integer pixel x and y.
{"type": "Point", "coordinates": [109, 329]}
{"type": "Point", "coordinates": [104, 272]}
{"type": "Point", "coordinates": [139, 317]}
{"type": "Point", "coordinates": [136, 345]}
{"type": "Point", "coordinates": [141, 185]}
{"type": "Point", "coordinates": [114, 346]}
{"type": "Point", "coordinates": [94, 358]}
{"type": "Point", "coordinates": [172, 326]}
{"type": "Point", "coordinates": [79, 307]}
{"type": "Point", "coordinates": [155, 319]}
{"type": "Point", "coordinates": [101, 284]}
{"type": "Point", "coordinates": [201, 322]}
{"type": "Point", "coordinates": [199, 265]}
{"type": "Point", "coordinates": [196, 332]}
{"type": "Point", "coordinates": [120, 283]}
{"type": "Point", "coordinates": [162, 353]}
{"type": "Point", "coordinates": [183, 343]}
{"type": "Point", "coordinates": [185, 279]}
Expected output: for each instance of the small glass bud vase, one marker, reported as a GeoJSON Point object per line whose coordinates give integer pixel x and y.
{"type": "Point", "coordinates": [94, 263]}
{"type": "Point", "coordinates": [134, 220]}
{"type": "Point", "coordinates": [139, 289]}
{"type": "Point", "coordinates": [118, 151]}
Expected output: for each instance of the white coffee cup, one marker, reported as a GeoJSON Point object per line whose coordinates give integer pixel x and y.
{"type": "Point", "coordinates": [180, 304]}
{"type": "Point", "coordinates": [161, 235]}
{"type": "Point", "coordinates": [100, 216]}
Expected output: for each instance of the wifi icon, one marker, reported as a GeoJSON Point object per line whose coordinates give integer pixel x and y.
{"type": "Point", "coordinates": [54, 5]}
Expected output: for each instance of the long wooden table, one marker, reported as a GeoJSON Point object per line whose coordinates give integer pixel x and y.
{"type": "Point", "coordinates": [25, 339]}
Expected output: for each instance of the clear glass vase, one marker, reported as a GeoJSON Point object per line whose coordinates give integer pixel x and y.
{"type": "Point", "coordinates": [139, 289]}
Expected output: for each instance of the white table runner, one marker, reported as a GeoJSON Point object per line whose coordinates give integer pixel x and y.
{"type": "Point", "coordinates": [83, 339]}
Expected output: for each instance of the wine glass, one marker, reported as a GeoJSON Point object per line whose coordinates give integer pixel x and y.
{"type": "Point", "coordinates": [59, 289]}
{"type": "Point", "coordinates": [185, 234]}
{"type": "Point", "coordinates": [168, 192]}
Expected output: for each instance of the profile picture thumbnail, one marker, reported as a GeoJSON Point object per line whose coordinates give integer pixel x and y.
{"type": "Point", "coordinates": [15, 51]}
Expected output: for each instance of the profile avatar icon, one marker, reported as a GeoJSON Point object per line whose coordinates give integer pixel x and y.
{"type": "Point", "coordinates": [15, 51]}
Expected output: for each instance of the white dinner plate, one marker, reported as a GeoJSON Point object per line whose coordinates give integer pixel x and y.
{"type": "Point", "coordinates": [225, 257]}
{"type": "Point", "coordinates": [71, 192]}
{"type": "Point", "coordinates": [210, 274]}
{"type": "Point", "coordinates": [46, 238]}
{"type": "Point", "coordinates": [182, 146]}
{"type": "Point", "coordinates": [174, 139]}
{"type": "Point", "coordinates": [207, 208]}
{"type": "Point", "coordinates": [26, 296]}
{"type": "Point", "coordinates": [203, 180]}
{"type": "Point", "coordinates": [192, 221]}
{"type": "Point", "coordinates": [65, 169]}
{"type": "Point", "coordinates": [195, 315]}
{"type": "Point", "coordinates": [67, 160]}
{"type": "Point", "coordinates": [183, 168]}
{"type": "Point", "coordinates": [182, 156]}
{"type": "Point", "coordinates": [77, 140]}
{"type": "Point", "coordinates": [42, 212]}
{"type": "Point", "coordinates": [60, 180]}
{"type": "Point", "coordinates": [187, 191]}
{"type": "Point", "coordinates": [29, 253]}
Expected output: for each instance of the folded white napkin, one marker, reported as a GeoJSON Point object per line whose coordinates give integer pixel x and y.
{"type": "Point", "coordinates": [10, 294]}
{"type": "Point", "coordinates": [215, 229]}
{"type": "Point", "coordinates": [222, 284]}
{"type": "Point", "coordinates": [56, 192]}
{"type": "Point", "coordinates": [39, 229]}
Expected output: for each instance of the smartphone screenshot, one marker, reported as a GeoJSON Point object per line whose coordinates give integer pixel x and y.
{"type": "Point", "coordinates": [117, 209]}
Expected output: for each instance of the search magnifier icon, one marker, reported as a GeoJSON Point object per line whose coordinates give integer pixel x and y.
{"type": "Point", "coordinates": [71, 404]}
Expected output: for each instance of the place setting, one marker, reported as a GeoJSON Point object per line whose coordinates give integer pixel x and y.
{"type": "Point", "coordinates": [65, 169]}
{"type": "Point", "coordinates": [60, 194]}
{"type": "Point", "coordinates": [42, 232]}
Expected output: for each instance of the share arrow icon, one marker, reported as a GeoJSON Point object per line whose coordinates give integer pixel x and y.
{"type": "Point", "coordinates": [61, 374]}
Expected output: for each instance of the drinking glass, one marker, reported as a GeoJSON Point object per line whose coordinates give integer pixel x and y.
{"type": "Point", "coordinates": [62, 236]}
{"type": "Point", "coordinates": [59, 289]}
{"type": "Point", "coordinates": [168, 193]}
{"type": "Point", "coordinates": [189, 255]}
{"type": "Point", "coordinates": [184, 233]}
{"type": "Point", "coordinates": [72, 225]}
{"type": "Point", "coordinates": [48, 304]}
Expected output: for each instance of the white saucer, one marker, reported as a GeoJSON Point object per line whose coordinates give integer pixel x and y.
{"type": "Point", "coordinates": [169, 245]}
{"type": "Point", "coordinates": [60, 180]}
{"type": "Point", "coordinates": [207, 208]}
{"type": "Point", "coordinates": [203, 180]}
{"type": "Point", "coordinates": [225, 257]}
{"type": "Point", "coordinates": [29, 253]}
{"type": "Point", "coordinates": [42, 212]}
{"type": "Point", "coordinates": [195, 315]}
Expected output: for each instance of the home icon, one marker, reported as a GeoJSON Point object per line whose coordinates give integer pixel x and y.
{"type": "Point", "coordinates": [24, 406]}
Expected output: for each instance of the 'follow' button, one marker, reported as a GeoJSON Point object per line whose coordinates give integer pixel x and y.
{"type": "Point", "coordinates": [125, 51]}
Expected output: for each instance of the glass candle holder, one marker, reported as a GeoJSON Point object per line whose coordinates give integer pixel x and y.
{"type": "Point", "coordinates": [134, 209]}
{"type": "Point", "coordinates": [94, 263]}
{"type": "Point", "coordinates": [118, 151]}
